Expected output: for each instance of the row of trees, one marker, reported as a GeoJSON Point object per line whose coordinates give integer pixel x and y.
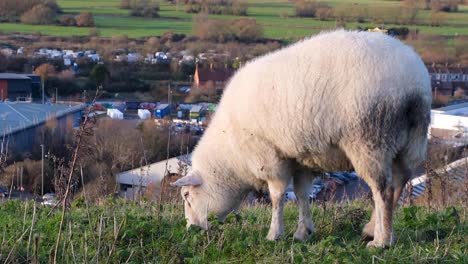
{"type": "Point", "coordinates": [404, 13]}
{"type": "Point", "coordinates": [41, 12]}
{"type": "Point", "coordinates": [141, 8]}
{"type": "Point", "coordinates": [218, 7]}
{"type": "Point", "coordinates": [243, 29]}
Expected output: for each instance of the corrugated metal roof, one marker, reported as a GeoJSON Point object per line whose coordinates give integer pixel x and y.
{"type": "Point", "coordinates": [18, 116]}
{"type": "Point", "coordinates": [162, 106]}
{"type": "Point", "coordinates": [196, 108]}
{"type": "Point", "coordinates": [13, 76]}
{"type": "Point", "coordinates": [152, 173]}
{"type": "Point", "coordinates": [458, 171]}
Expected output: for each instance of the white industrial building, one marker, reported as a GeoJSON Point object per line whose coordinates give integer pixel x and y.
{"type": "Point", "coordinates": [133, 181]}
{"type": "Point", "coordinates": [450, 122]}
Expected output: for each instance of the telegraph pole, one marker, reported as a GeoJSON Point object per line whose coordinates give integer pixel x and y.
{"type": "Point", "coordinates": [43, 99]}
{"type": "Point", "coordinates": [42, 169]}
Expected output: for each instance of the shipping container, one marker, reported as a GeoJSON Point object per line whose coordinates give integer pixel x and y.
{"type": "Point", "coordinates": [114, 114]}
{"type": "Point", "coordinates": [162, 110]}
{"type": "Point", "coordinates": [144, 114]}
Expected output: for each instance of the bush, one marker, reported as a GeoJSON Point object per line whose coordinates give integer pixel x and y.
{"type": "Point", "coordinates": [217, 7]}
{"type": "Point", "coordinates": [125, 4]}
{"type": "Point", "coordinates": [246, 30]}
{"type": "Point", "coordinates": [85, 19]}
{"type": "Point", "coordinates": [239, 8]}
{"type": "Point", "coordinates": [53, 5]}
{"type": "Point", "coordinates": [324, 13]}
{"type": "Point", "coordinates": [39, 15]}
{"type": "Point", "coordinates": [444, 5]}
{"type": "Point", "coordinates": [67, 20]}
{"type": "Point", "coordinates": [305, 8]}
{"type": "Point", "coordinates": [144, 8]}
{"type": "Point", "coordinates": [10, 10]}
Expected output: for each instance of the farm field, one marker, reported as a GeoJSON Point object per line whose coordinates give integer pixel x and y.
{"type": "Point", "coordinates": [119, 231]}
{"type": "Point", "coordinates": [276, 17]}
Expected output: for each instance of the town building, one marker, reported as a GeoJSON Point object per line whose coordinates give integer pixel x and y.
{"type": "Point", "coordinates": [217, 77]}
{"type": "Point", "coordinates": [18, 87]}
{"type": "Point", "coordinates": [447, 81]}
{"type": "Point", "coordinates": [450, 123]}
{"type": "Point", "coordinates": [134, 182]}
{"type": "Point", "coordinates": [21, 122]}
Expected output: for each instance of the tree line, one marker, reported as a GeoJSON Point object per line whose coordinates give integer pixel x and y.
{"type": "Point", "coordinates": [41, 12]}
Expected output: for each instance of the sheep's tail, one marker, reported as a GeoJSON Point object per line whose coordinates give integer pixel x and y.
{"type": "Point", "coordinates": [419, 118]}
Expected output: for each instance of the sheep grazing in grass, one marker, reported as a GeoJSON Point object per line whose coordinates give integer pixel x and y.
{"type": "Point", "coordinates": [336, 101]}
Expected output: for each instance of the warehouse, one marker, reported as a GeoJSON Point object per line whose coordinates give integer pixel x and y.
{"type": "Point", "coordinates": [20, 122]}
{"type": "Point", "coordinates": [18, 87]}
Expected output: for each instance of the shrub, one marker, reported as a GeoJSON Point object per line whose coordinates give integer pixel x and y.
{"type": "Point", "coordinates": [246, 30]}
{"type": "Point", "coordinates": [10, 10]}
{"type": "Point", "coordinates": [85, 19]}
{"type": "Point", "coordinates": [436, 18]}
{"type": "Point", "coordinates": [239, 8]}
{"type": "Point", "coordinates": [52, 4]}
{"type": "Point", "coordinates": [444, 5]}
{"type": "Point", "coordinates": [144, 8]}
{"type": "Point", "coordinates": [125, 4]}
{"type": "Point", "coordinates": [323, 13]}
{"type": "Point", "coordinates": [67, 20]}
{"type": "Point", "coordinates": [305, 8]}
{"type": "Point", "coordinates": [218, 7]}
{"type": "Point", "coordinates": [39, 15]}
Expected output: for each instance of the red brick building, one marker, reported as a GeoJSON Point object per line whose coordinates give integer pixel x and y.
{"type": "Point", "coordinates": [218, 77]}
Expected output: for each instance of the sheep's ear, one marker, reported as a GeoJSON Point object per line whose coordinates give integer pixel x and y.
{"type": "Point", "coordinates": [192, 179]}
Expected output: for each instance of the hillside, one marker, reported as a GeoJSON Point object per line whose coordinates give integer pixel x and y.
{"type": "Point", "coordinates": [124, 232]}
{"type": "Point", "coordinates": [276, 16]}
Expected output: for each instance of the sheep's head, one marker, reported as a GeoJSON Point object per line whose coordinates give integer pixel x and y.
{"type": "Point", "coordinates": [196, 199]}
{"type": "Point", "coordinates": [202, 198]}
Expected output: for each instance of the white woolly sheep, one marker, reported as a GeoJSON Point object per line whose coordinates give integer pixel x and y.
{"type": "Point", "coordinates": [336, 101]}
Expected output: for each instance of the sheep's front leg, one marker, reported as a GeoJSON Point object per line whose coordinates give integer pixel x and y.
{"type": "Point", "coordinates": [277, 190]}
{"type": "Point", "coordinates": [305, 226]}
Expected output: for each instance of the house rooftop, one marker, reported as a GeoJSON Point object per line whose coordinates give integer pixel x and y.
{"type": "Point", "coordinates": [162, 106]}
{"type": "Point", "coordinates": [18, 116]}
{"type": "Point", "coordinates": [13, 76]}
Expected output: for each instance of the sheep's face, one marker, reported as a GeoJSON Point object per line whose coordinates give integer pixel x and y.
{"type": "Point", "coordinates": [195, 206]}
{"type": "Point", "coordinates": [196, 199]}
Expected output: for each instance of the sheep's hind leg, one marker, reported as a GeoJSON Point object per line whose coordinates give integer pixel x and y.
{"type": "Point", "coordinates": [401, 174]}
{"type": "Point", "coordinates": [302, 184]}
{"type": "Point", "coordinates": [375, 168]}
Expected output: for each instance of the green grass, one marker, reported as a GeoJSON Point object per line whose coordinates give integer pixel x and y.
{"type": "Point", "coordinates": [121, 231]}
{"type": "Point", "coordinates": [110, 20]}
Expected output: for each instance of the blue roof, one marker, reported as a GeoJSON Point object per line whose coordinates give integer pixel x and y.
{"type": "Point", "coordinates": [19, 116]}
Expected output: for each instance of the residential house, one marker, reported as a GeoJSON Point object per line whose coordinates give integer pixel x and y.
{"type": "Point", "coordinates": [216, 76]}
{"type": "Point", "coordinates": [445, 81]}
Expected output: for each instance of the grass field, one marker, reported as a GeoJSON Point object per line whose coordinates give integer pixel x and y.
{"type": "Point", "coordinates": [111, 21]}
{"type": "Point", "coordinates": [124, 232]}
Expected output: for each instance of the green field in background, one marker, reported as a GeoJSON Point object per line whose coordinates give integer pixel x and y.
{"type": "Point", "coordinates": [276, 16]}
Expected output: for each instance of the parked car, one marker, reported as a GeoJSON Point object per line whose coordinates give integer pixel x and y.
{"type": "Point", "coordinates": [340, 176]}
{"type": "Point", "coordinates": [290, 197]}
{"type": "Point", "coordinates": [353, 175]}
{"type": "Point", "coordinates": [3, 192]}
{"type": "Point", "coordinates": [49, 199]}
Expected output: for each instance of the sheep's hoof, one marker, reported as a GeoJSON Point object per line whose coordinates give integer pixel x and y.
{"type": "Point", "coordinates": [378, 244]}
{"type": "Point", "coordinates": [274, 235]}
{"type": "Point", "coordinates": [303, 233]}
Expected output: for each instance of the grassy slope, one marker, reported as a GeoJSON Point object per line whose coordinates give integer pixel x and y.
{"type": "Point", "coordinates": [111, 20]}
{"type": "Point", "coordinates": [422, 236]}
